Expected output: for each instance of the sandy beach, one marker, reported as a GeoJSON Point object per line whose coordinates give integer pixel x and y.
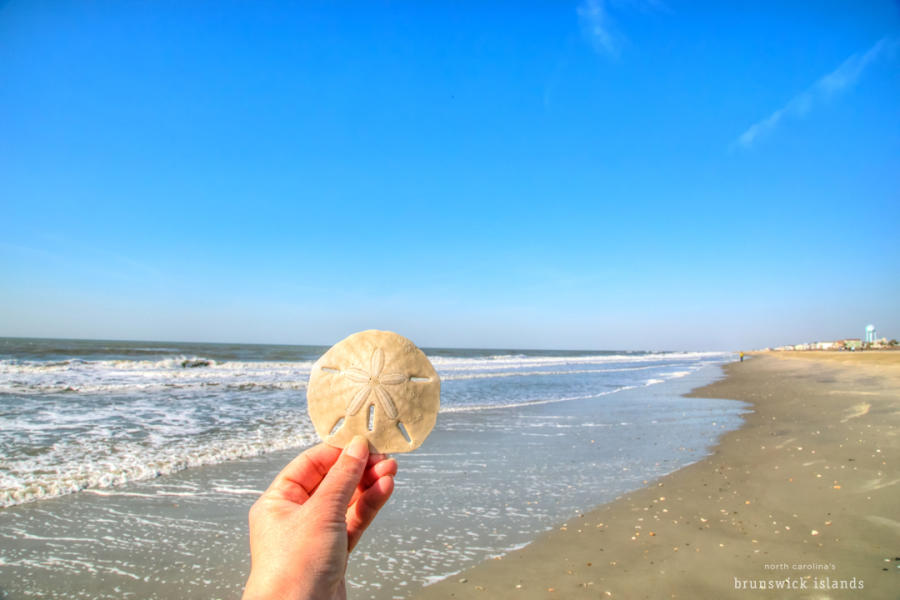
{"type": "Point", "coordinates": [802, 501]}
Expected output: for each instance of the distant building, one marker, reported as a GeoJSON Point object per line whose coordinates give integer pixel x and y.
{"type": "Point", "coordinates": [870, 341]}
{"type": "Point", "coordinates": [882, 343]}
{"type": "Point", "coordinates": [850, 343]}
{"type": "Point", "coordinates": [871, 336]}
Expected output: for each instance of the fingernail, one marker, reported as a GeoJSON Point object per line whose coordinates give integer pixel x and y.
{"type": "Point", "coordinates": [358, 447]}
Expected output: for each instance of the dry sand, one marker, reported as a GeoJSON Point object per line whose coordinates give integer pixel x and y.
{"type": "Point", "coordinates": [806, 491]}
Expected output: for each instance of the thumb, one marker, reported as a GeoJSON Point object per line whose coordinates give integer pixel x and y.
{"type": "Point", "coordinates": [334, 493]}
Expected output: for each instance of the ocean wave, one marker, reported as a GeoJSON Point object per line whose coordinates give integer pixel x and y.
{"type": "Point", "coordinates": [676, 374]}
{"type": "Point", "coordinates": [171, 374]}
{"type": "Point", "coordinates": [190, 372]}
{"type": "Point", "coordinates": [483, 407]}
{"type": "Point", "coordinates": [499, 374]}
{"type": "Point", "coordinates": [451, 363]}
{"type": "Point", "coordinates": [128, 388]}
{"type": "Point", "coordinates": [172, 362]}
{"type": "Point", "coordinates": [96, 465]}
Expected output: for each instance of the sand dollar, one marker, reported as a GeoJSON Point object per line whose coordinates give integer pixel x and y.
{"type": "Point", "coordinates": [377, 384]}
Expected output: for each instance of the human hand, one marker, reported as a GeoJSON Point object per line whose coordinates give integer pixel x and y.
{"type": "Point", "coordinates": [305, 524]}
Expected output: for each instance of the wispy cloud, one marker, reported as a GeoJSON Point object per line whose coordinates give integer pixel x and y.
{"type": "Point", "coordinates": [839, 80]}
{"type": "Point", "coordinates": [599, 27]}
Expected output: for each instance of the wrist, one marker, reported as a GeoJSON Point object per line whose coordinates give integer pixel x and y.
{"type": "Point", "coordinates": [271, 587]}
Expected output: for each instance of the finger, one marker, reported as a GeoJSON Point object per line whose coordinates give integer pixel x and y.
{"type": "Point", "coordinates": [377, 471]}
{"type": "Point", "coordinates": [372, 474]}
{"type": "Point", "coordinates": [360, 514]}
{"type": "Point", "coordinates": [298, 480]}
{"type": "Point", "coordinates": [336, 489]}
{"type": "Point", "coordinates": [376, 458]}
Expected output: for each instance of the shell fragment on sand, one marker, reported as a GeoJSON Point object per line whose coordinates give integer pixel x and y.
{"type": "Point", "coordinates": [377, 384]}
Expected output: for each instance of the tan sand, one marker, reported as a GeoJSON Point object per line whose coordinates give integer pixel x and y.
{"type": "Point", "coordinates": [807, 491]}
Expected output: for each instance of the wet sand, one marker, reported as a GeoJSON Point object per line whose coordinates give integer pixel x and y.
{"type": "Point", "coordinates": [806, 493]}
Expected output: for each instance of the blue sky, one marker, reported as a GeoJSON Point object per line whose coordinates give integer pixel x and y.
{"type": "Point", "coordinates": [566, 175]}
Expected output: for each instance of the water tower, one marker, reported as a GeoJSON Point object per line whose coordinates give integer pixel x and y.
{"type": "Point", "coordinates": [870, 334]}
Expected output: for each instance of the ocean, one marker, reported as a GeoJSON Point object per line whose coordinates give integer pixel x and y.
{"type": "Point", "coordinates": [127, 467]}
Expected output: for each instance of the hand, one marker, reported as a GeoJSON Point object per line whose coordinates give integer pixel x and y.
{"type": "Point", "coordinates": [304, 526]}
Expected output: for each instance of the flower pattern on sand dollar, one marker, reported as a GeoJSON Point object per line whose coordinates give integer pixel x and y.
{"type": "Point", "coordinates": [373, 382]}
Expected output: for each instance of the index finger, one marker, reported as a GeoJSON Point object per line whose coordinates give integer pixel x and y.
{"type": "Point", "coordinates": [299, 479]}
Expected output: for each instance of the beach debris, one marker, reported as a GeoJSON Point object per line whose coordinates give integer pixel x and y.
{"type": "Point", "coordinates": [813, 532]}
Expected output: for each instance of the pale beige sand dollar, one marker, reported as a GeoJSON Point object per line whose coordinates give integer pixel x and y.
{"type": "Point", "coordinates": [377, 384]}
